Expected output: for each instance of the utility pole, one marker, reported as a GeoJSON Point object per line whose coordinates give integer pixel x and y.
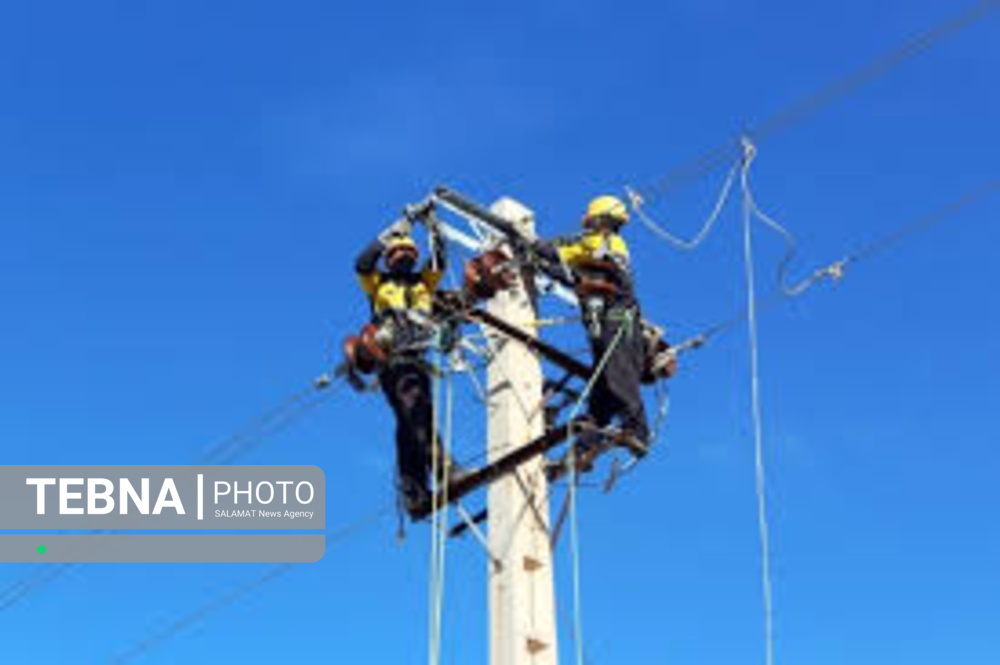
{"type": "Point", "coordinates": [522, 591]}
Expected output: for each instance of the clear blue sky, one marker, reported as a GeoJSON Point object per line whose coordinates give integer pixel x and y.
{"type": "Point", "coordinates": [183, 187]}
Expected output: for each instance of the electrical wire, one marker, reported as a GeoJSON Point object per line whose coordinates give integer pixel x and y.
{"type": "Point", "coordinates": [636, 202]}
{"type": "Point", "coordinates": [836, 271]}
{"type": "Point", "coordinates": [811, 104]}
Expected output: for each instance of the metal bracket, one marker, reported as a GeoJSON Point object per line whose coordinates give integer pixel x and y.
{"type": "Point", "coordinates": [473, 527]}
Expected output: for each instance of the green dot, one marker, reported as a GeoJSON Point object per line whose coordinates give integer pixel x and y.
{"type": "Point", "coordinates": [41, 549]}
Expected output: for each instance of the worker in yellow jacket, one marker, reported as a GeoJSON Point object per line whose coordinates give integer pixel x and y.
{"type": "Point", "coordinates": [600, 264]}
{"type": "Point", "coordinates": [401, 296]}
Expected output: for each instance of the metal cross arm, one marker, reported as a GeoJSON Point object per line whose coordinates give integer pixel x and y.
{"type": "Point", "coordinates": [522, 245]}
{"type": "Point", "coordinates": [482, 477]}
{"type": "Point", "coordinates": [557, 357]}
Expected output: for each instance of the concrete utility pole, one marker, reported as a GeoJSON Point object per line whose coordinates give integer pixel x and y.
{"type": "Point", "coordinates": [522, 592]}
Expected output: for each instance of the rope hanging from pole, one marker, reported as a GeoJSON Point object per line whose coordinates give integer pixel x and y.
{"type": "Point", "coordinates": [626, 322]}
{"type": "Point", "coordinates": [760, 480]}
{"type": "Point", "coordinates": [440, 456]}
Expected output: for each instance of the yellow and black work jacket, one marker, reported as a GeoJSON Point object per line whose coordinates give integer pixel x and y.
{"type": "Point", "coordinates": [600, 263]}
{"type": "Point", "coordinates": [394, 297]}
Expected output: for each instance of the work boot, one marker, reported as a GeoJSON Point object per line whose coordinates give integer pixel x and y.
{"type": "Point", "coordinates": [588, 447]}
{"type": "Point", "coordinates": [636, 445]}
{"type": "Point", "coordinates": [584, 450]}
{"type": "Point", "coordinates": [414, 497]}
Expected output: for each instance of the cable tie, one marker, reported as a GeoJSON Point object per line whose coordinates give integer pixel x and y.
{"type": "Point", "coordinates": [634, 198]}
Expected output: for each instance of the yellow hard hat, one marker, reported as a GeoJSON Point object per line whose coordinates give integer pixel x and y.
{"type": "Point", "coordinates": [606, 206]}
{"type": "Point", "coordinates": [399, 245]}
{"type": "Point", "coordinates": [401, 242]}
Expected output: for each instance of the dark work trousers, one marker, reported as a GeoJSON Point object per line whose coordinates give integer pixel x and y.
{"type": "Point", "coordinates": [406, 384]}
{"type": "Point", "coordinates": [617, 392]}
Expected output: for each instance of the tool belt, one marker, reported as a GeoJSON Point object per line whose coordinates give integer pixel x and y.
{"type": "Point", "coordinates": [596, 278]}
{"type": "Point", "coordinates": [599, 311]}
{"type": "Point", "coordinates": [659, 362]}
{"type": "Point", "coordinates": [391, 338]}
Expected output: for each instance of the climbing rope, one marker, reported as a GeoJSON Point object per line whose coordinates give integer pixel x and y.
{"type": "Point", "coordinates": [760, 484]}
{"type": "Point", "coordinates": [627, 322]}
{"type": "Point", "coordinates": [440, 456]}
{"type": "Point", "coordinates": [435, 581]}
{"type": "Point", "coordinates": [751, 208]}
{"type": "Point", "coordinates": [442, 526]}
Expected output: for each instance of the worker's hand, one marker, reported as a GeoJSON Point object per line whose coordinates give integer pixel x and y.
{"type": "Point", "coordinates": [665, 364]}
{"type": "Point", "coordinates": [670, 371]}
{"type": "Point", "coordinates": [402, 227]}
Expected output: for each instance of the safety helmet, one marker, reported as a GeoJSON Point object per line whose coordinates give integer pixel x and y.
{"type": "Point", "coordinates": [399, 247]}
{"type": "Point", "coordinates": [605, 207]}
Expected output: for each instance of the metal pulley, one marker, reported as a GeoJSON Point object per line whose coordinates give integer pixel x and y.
{"type": "Point", "coordinates": [488, 274]}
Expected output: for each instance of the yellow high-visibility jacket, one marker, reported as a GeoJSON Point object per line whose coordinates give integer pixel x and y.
{"type": "Point", "coordinates": [601, 263]}
{"type": "Point", "coordinates": [388, 293]}
{"type": "Point", "coordinates": [398, 293]}
{"type": "Point", "coordinates": [595, 246]}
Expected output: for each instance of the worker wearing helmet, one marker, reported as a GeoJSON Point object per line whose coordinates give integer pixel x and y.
{"type": "Point", "coordinates": [401, 296]}
{"type": "Point", "coordinates": [599, 261]}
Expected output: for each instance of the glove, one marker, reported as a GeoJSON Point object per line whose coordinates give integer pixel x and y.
{"type": "Point", "coordinates": [402, 227]}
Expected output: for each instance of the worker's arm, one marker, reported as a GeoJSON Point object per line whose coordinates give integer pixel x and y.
{"type": "Point", "coordinates": [439, 256]}
{"type": "Point", "coordinates": [366, 265]}
{"type": "Point", "coordinates": [573, 253]}
{"type": "Point", "coordinates": [618, 246]}
{"type": "Point", "coordinates": [434, 267]}
{"type": "Point", "coordinates": [568, 251]}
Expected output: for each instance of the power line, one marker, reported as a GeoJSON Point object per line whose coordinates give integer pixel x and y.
{"type": "Point", "coordinates": [232, 596]}
{"type": "Point", "coordinates": [821, 98]}
{"type": "Point", "coordinates": [248, 434]}
{"type": "Point", "coordinates": [921, 224]}
{"type": "Point", "coordinates": [280, 420]}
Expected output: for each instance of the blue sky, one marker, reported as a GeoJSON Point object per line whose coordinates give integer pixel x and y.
{"type": "Point", "coordinates": [183, 187]}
